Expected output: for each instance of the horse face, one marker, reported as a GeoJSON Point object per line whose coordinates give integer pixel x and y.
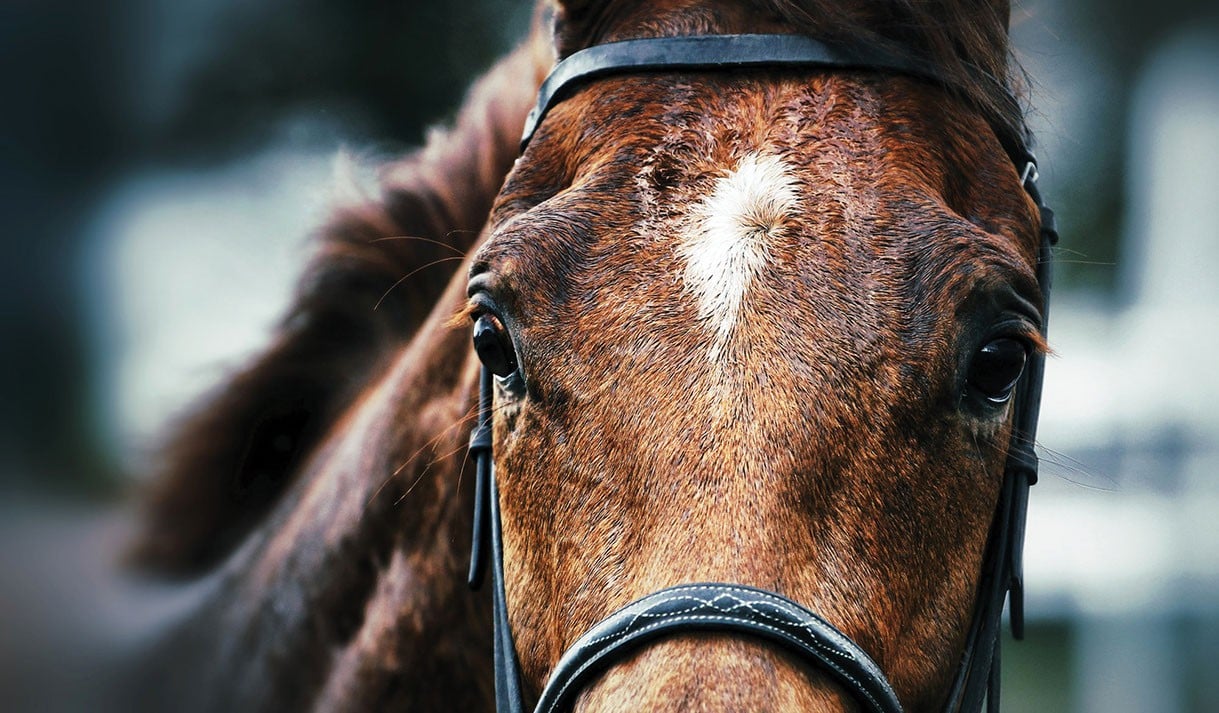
{"type": "Point", "coordinates": [761, 330]}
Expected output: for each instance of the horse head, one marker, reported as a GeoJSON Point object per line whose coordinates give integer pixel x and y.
{"type": "Point", "coordinates": [759, 326]}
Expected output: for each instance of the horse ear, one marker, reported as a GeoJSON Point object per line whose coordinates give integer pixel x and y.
{"type": "Point", "coordinates": [573, 22]}
{"type": "Point", "coordinates": [1003, 10]}
{"type": "Point", "coordinates": [572, 9]}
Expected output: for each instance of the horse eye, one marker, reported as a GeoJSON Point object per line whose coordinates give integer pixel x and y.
{"type": "Point", "coordinates": [494, 345]}
{"type": "Point", "coordinates": [997, 367]}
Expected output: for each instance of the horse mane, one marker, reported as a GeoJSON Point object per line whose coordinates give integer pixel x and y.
{"type": "Point", "coordinates": [378, 268]}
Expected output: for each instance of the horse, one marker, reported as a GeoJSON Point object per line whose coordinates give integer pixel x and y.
{"type": "Point", "coordinates": [748, 336]}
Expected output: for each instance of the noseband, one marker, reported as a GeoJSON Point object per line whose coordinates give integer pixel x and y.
{"type": "Point", "coordinates": [735, 608]}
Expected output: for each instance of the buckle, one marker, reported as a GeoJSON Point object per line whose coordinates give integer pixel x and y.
{"type": "Point", "coordinates": [1029, 174]}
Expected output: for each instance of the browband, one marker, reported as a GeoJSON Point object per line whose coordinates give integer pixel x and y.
{"type": "Point", "coordinates": [702, 52]}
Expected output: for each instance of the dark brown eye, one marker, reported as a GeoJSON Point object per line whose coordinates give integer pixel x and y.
{"type": "Point", "coordinates": [997, 367]}
{"type": "Point", "coordinates": [494, 345]}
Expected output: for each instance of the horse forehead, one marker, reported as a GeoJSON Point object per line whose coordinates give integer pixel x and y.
{"type": "Point", "coordinates": [707, 233]}
{"type": "Point", "coordinates": [745, 195]}
{"type": "Point", "coordinates": [736, 238]}
{"type": "Point", "coordinates": [714, 262]}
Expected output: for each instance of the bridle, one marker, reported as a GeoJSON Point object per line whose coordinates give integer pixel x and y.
{"type": "Point", "coordinates": [733, 607]}
{"type": "Point", "coordinates": [737, 608]}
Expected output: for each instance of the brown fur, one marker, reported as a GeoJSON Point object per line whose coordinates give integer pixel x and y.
{"type": "Point", "coordinates": [830, 456]}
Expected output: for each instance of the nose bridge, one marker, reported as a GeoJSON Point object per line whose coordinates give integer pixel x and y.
{"type": "Point", "coordinates": [720, 519]}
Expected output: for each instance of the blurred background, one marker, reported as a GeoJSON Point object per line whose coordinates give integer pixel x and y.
{"type": "Point", "coordinates": [163, 161]}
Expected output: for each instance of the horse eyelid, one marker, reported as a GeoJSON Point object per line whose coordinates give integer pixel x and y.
{"type": "Point", "coordinates": [1021, 327]}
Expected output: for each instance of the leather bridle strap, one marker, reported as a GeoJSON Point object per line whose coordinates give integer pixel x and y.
{"type": "Point", "coordinates": [731, 608]}
{"type": "Point", "coordinates": [488, 530]}
{"type": "Point", "coordinates": [977, 679]}
{"type": "Point", "coordinates": [700, 52]}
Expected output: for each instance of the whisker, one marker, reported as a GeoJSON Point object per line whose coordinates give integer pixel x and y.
{"type": "Point", "coordinates": [465, 459]}
{"type": "Point", "coordinates": [408, 275]}
{"type": "Point", "coordinates": [977, 446]}
{"type": "Point", "coordinates": [464, 420]}
{"type": "Point", "coordinates": [1060, 250]}
{"type": "Point", "coordinates": [421, 239]}
{"type": "Point", "coordinates": [424, 472]}
{"type": "Point", "coordinates": [431, 443]}
{"type": "Point", "coordinates": [414, 482]}
{"type": "Point", "coordinates": [461, 469]}
{"type": "Point", "coordinates": [1068, 465]}
{"type": "Point", "coordinates": [1064, 466]}
{"type": "Point", "coordinates": [437, 459]}
{"type": "Point", "coordinates": [1104, 263]}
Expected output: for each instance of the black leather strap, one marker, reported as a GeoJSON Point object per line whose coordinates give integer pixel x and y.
{"type": "Point", "coordinates": [488, 543]}
{"type": "Point", "coordinates": [733, 608]}
{"type": "Point", "coordinates": [508, 693]}
{"type": "Point", "coordinates": [977, 680]}
{"type": "Point", "coordinates": [718, 52]}
{"type": "Point", "coordinates": [480, 451]}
